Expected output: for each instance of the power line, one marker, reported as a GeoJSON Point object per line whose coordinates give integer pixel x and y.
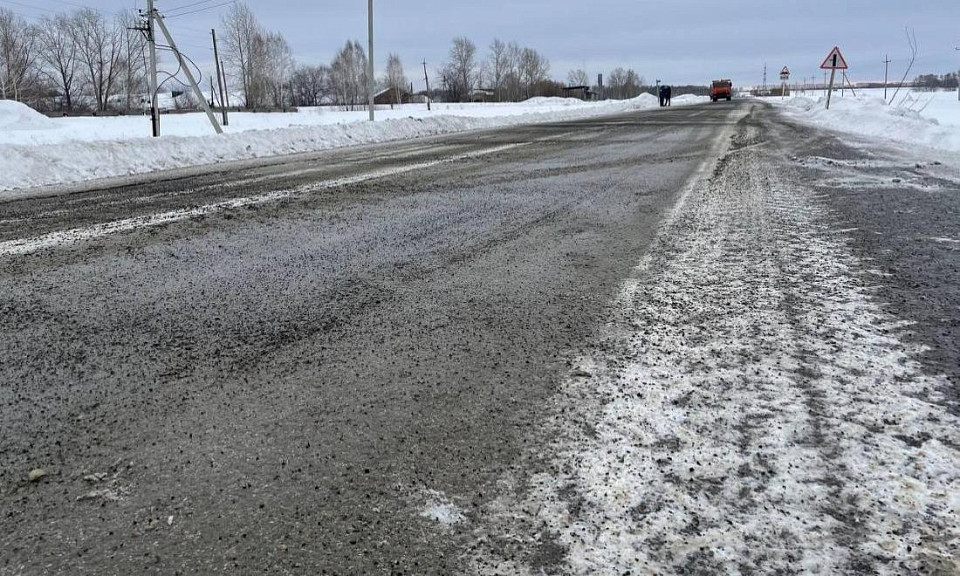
{"type": "Point", "coordinates": [191, 5]}
{"type": "Point", "coordinates": [197, 11]}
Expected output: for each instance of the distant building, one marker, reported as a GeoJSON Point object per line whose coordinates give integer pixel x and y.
{"type": "Point", "coordinates": [482, 95]}
{"type": "Point", "coordinates": [581, 92]}
{"type": "Point", "coordinates": [389, 96]}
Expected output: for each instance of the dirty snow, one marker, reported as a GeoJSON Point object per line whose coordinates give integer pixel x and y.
{"type": "Point", "coordinates": [750, 410]}
{"type": "Point", "coordinates": [42, 151]}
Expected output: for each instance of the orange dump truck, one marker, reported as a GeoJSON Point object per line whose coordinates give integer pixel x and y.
{"type": "Point", "coordinates": [721, 89]}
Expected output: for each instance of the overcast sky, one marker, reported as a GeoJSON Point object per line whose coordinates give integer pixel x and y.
{"type": "Point", "coordinates": [679, 41]}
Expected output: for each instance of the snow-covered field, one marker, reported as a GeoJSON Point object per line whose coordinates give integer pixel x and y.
{"type": "Point", "coordinates": [40, 151]}
{"type": "Point", "coordinates": [925, 118]}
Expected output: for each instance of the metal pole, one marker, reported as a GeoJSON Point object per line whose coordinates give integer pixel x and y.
{"type": "Point", "coordinates": [833, 74]}
{"type": "Point", "coordinates": [958, 80]}
{"type": "Point", "coordinates": [370, 80]}
{"type": "Point", "coordinates": [154, 99]}
{"type": "Point", "coordinates": [189, 74]}
{"type": "Point", "coordinates": [221, 81]}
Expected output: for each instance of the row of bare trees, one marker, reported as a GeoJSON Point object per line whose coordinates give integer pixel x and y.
{"type": "Point", "coordinates": [262, 64]}
{"type": "Point", "coordinates": [510, 72]}
{"type": "Point", "coordinates": [80, 60]}
{"type": "Point", "coordinates": [261, 60]}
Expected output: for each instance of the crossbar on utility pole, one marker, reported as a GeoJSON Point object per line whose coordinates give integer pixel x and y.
{"type": "Point", "coordinates": [370, 80]}
{"type": "Point", "coordinates": [189, 74]}
{"type": "Point", "coordinates": [154, 98]}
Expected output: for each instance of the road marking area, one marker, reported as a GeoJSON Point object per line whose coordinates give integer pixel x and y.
{"type": "Point", "coordinates": [22, 246]}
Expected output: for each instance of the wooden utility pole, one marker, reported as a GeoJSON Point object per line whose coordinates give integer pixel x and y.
{"type": "Point", "coordinates": [221, 81]}
{"type": "Point", "coordinates": [226, 92]}
{"type": "Point", "coordinates": [426, 80]}
{"type": "Point", "coordinates": [154, 98]}
{"type": "Point", "coordinates": [186, 70]}
{"type": "Point", "coordinates": [886, 74]}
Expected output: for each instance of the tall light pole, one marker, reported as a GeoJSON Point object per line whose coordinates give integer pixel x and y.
{"type": "Point", "coordinates": [370, 81]}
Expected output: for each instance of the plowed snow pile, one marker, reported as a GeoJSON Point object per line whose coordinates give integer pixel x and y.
{"type": "Point", "coordinates": [15, 116]}
{"type": "Point", "coordinates": [70, 150]}
{"type": "Point", "coordinates": [927, 118]}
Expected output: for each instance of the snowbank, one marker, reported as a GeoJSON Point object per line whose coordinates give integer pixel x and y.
{"type": "Point", "coordinates": [929, 119]}
{"type": "Point", "coordinates": [70, 150]}
{"type": "Point", "coordinates": [16, 117]}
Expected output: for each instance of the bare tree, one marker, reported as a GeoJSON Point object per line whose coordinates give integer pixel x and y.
{"type": "Point", "coordinates": [460, 72]}
{"type": "Point", "coordinates": [498, 66]}
{"type": "Point", "coordinates": [99, 52]}
{"type": "Point", "coordinates": [578, 77]}
{"type": "Point", "coordinates": [278, 59]}
{"type": "Point", "coordinates": [632, 83]}
{"type": "Point", "coordinates": [396, 81]}
{"type": "Point", "coordinates": [534, 70]}
{"type": "Point", "coordinates": [309, 85]}
{"type": "Point", "coordinates": [514, 81]}
{"type": "Point", "coordinates": [243, 44]}
{"type": "Point", "coordinates": [58, 52]}
{"type": "Point", "coordinates": [348, 73]}
{"type": "Point", "coordinates": [18, 54]}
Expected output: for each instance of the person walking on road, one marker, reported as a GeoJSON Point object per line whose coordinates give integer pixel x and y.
{"type": "Point", "coordinates": [669, 94]}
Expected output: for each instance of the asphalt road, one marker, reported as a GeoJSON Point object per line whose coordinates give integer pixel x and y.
{"type": "Point", "coordinates": [281, 367]}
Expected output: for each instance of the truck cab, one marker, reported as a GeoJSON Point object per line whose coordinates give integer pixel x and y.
{"type": "Point", "coordinates": [721, 89]}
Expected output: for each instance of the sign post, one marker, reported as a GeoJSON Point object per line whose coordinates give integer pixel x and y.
{"type": "Point", "coordinates": [784, 78]}
{"type": "Point", "coordinates": [833, 62]}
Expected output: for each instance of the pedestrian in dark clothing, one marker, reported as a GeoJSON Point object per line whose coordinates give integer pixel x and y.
{"type": "Point", "coordinates": [669, 95]}
{"type": "Point", "coordinates": [663, 96]}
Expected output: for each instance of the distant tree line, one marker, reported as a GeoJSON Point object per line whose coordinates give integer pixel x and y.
{"type": "Point", "coordinates": [935, 81]}
{"type": "Point", "coordinates": [79, 61]}
{"type": "Point", "coordinates": [86, 61]}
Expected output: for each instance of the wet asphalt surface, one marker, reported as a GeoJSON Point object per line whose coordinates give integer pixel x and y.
{"type": "Point", "coordinates": [281, 388]}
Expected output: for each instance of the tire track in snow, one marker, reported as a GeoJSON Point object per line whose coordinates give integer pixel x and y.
{"type": "Point", "coordinates": [749, 410]}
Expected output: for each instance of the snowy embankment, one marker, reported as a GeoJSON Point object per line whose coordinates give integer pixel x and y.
{"type": "Point", "coordinates": [920, 118]}
{"type": "Point", "coordinates": [39, 151]}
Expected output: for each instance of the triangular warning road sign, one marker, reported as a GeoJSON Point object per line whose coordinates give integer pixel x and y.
{"type": "Point", "coordinates": [785, 71]}
{"type": "Point", "coordinates": [834, 60]}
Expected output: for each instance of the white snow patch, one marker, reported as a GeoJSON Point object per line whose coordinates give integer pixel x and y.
{"type": "Point", "coordinates": [928, 118]}
{"type": "Point", "coordinates": [16, 117]}
{"type": "Point", "coordinates": [439, 509]}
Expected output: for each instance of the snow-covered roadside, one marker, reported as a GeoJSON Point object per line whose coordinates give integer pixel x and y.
{"type": "Point", "coordinates": [751, 410]}
{"type": "Point", "coordinates": [24, 165]}
{"type": "Point", "coordinates": [928, 119]}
